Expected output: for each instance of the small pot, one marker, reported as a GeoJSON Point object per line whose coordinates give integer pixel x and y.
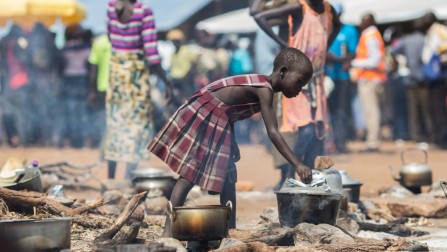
{"type": "Point", "coordinates": [156, 181]}
{"type": "Point", "coordinates": [200, 223]}
{"type": "Point", "coordinates": [307, 205]}
{"type": "Point", "coordinates": [351, 187]}
{"type": "Point", "coordinates": [43, 235]}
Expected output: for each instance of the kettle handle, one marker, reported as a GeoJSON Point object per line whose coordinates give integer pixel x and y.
{"type": "Point", "coordinates": [170, 211]}
{"type": "Point", "coordinates": [402, 154]}
{"type": "Point", "coordinates": [444, 187]}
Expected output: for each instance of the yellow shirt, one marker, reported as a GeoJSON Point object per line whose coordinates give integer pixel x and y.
{"type": "Point", "coordinates": [182, 62]}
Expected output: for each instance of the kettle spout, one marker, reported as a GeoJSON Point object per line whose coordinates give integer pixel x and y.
{"type": "Point", "coordinates": [394, 174]}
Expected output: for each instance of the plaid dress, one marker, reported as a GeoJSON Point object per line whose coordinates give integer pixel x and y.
{"type": "Point", "coordinates": [197, 140]}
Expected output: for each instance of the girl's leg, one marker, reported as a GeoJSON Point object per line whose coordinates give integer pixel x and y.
{"type": "Point", "coordinates": [229, 194]}
{"type": "Point", "coordinates": [112, 169]}
{"type": "Point", "coordinates": [130, 167]}
{"type": "Point", "coordinates": [178, 197]}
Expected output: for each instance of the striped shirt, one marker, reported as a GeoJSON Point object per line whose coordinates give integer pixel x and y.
{"type": "Point", "coordinates": [135, 35]}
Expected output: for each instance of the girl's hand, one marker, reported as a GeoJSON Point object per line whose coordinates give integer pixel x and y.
{"type": "Point", "coordinates": [304, 172]}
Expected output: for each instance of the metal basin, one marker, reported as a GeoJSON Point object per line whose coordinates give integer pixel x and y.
{"type": "Point", "coordinates": [32, 184]}
{"type": "Point", "coordinates": [199, 223]}
{"type": "Point", "coordinates": [158, 182]}
{"type": "Point", "coordinates": [315, 208]}
{"type": "Point", "coordinates": [39, 235]}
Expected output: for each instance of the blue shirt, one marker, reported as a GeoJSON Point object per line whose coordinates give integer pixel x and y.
{"type": "Point", "coordinates": [345, 42]}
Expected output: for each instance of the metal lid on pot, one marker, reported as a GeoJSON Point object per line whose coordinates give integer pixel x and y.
{"type": "Point", "coordinates": [319, 190]}
{"type": "Point", "coordinates": [346, 180]}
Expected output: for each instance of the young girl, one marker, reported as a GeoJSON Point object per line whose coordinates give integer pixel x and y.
{"type": "Point", "coordinates": [198, 141]}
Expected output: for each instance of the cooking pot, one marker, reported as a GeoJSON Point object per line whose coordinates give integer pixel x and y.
{"type": "Point", "coordinates": [51, 234]}
{"type": "Point", "coordinates": [413, 174]}
{"type": "Point", "coordinates": [156, 181]}
{"type": "Point", "coordinates": [307, 204]}
{"type": "Point", "coordinates": [334, 181]}
{"type": "Point", "coordinates": [351, 187]}
{"type": "Point", "coordinates": [200, 223]}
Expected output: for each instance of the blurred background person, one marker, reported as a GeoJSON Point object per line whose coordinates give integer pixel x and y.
{"type": "Point", "coordinates": [370, 74]}
{"type": "Point", "coordinates": [341, 52]}
{"type": "Point", "coordinates": [129, 111]}
{"type": "Point", "coordinates": [417, 92]}
{"type": "Point", "coordinates": [75, 87]}
{"type": "Point", "coordinates": [99, 59]}
{"type": "Point", "coordinates": [435, 50]}
{"type": "Point", "coordinates": [182, 69]}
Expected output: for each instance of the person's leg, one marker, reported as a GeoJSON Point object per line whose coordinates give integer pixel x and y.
{"type": "Point", "coordinates": [303, 143]}
{"type": "Point", "coordinates": [424, 104]}
{"type": "Point", "coordinates": [178, 197]}
{"type": "Point", "coordinates": [341, 123]}
{"type": "Point", "coordinates": [130, 167]}
{"type": "Point", "coordinates": [315, 147]}
{"type": "Point", "coordinates": [229, 194]}
{"type": "Point", "coordinates": [369, 97]}
{"type": "Point", "coordinates": [413, 113]}
{"type": "Point", "coordinates": [111, 169]}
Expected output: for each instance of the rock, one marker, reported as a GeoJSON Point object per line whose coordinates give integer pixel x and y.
{"type": "Point", "coordinates": [155, 206]}
{"type": "Point", "coordinates": [349, 224]}
{"type": "Point", "coordinates": [171, 242]}
{"type": "Point", "coordinates": [248, 247]}
{"type": "Point", "coordinates": [270, 215]}
{"type": "Point", "coordinates": [320, 234]}
{"type": "Point", "coordinates": [300, 248]}
{"type": "Point", "coordinates": [353, 207]}
{"type": "Point", "coordinates": [109, 210]}
{"type": "Point", "coordinates": [49, 180]}
{"type": "Point", "coordinates": [323, 162]}
{"type": "Point", "coordinates": [113, 197]}
{"type": "Point", "coordinates": [396, 191]}
{"type": "Point", "coordinates": [414, 207]}
{"type": "Point", "coordinates": [228, 242]}
{"type": "Point", "coordinates": [375, 235]}
{"type": "Point", "coordinates": [436, 190]}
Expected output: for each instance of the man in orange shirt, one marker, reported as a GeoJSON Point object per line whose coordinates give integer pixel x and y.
{"type": "Point", "coordinates": [369, 71]}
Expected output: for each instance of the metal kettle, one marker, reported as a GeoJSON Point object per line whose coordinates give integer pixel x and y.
{"type": "Point", "coordinates": [413, 174]}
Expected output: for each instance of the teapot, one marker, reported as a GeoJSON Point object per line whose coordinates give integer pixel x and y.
{"type": "Point", "coordinates": [413, 174]}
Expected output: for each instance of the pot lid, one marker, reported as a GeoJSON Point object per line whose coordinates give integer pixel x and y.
{"type": "Point", "coordinates": [319, 190]}
{"type": "Point", "coordinates": [346, 180]}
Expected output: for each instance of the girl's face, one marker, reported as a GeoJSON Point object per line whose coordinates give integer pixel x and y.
{"type": "Point", "coordinates": [292, 82]}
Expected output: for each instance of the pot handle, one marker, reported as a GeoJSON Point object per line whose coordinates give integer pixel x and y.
{"type": "Point", "coordinates": [171, 213]}
{"type": "Point", "coordinates": [402, 154]}
{"type": "Point", "coordinates": [229, 204]}
{"type": "Point", "coordinates": [444, 187]}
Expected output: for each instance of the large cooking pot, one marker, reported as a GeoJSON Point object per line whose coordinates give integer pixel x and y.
{"type": "Point", "coordinates": [334, 181]}
{"type": "Point", "coordinates": [42, 235]}
{"type": "Point", "coordinates": [312, 205]}
{"type": "Point", "coordinates": [200, 223]}
{"type": "Point", "coordinates": [413, 174]}
{"type": "Point", "coordinates": [154, 180]}
{"type": "Point", "coordinates": [351, 187]}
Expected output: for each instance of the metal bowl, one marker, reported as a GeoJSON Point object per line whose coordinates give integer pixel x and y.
{"type": "Point", "coordinates": [51, 234]}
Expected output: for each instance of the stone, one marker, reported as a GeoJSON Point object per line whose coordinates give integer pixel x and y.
{"type": "Point", "coordinates": [414, 207]}
{"type": "Point", "coordinates": [306, 233]}
{"type": "Point", "coordinates": [171, 242]}
{"type": "Point", "coordinates": [156, 206]}
{"type": "Point", "coordinates": [349, 224]}
{"type": "Point", "coordinates": [248, 247]}
{"type": "Point", "coordinates": [270, 215]}
{"type": "Point", "coordinates": [49, 180]}
{"type": "Point", "coordinates": [300, 248]}
{"type": "Point", "coordinates": [113, 197]}
{"type": "Point", "coordinates": [228, 242]}
{"type": "Point", "coordinates": [396, 191]}
{"type": "Point", "coordinates": [109, 210]}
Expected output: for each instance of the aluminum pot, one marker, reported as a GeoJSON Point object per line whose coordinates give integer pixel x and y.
{"type": "Point", "coordinates": [307, 205]}
{"type": "Point", "coordinates": [200, 223]}
{"type": "Point", "coordinates": [51, 234]}
{"type": "Point", "coordinates": [156, 181]}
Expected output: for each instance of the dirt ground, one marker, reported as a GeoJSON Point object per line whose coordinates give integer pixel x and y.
{"type": "Point", "coordinates": [256, 165]}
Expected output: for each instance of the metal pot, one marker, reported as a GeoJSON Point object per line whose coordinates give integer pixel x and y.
{"type": "Point", "coordinates": [154, 180]}
{"type": "Point", "coordinates": [312, 205]}
{"type": "Point", "coordinates": [413, 174]}
{"type": "Point", "coordinates": [200, 223]}
{"type": "Point", "coordinates": [334, 181]}
{"type": "Point", "coordinates": [351, 187]}
{"type": "Point", "coordinates": [44, 235]}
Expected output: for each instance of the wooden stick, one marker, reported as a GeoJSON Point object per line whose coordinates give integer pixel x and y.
{"type": "Point", "coordinates": [122, 219]}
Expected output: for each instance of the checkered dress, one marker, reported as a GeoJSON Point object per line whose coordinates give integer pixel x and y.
{"type": "Point", "coordinates": [196, 142]}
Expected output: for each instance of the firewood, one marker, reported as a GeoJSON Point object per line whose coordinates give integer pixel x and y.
{"type": "Point", "coordinates": [122, 219]}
